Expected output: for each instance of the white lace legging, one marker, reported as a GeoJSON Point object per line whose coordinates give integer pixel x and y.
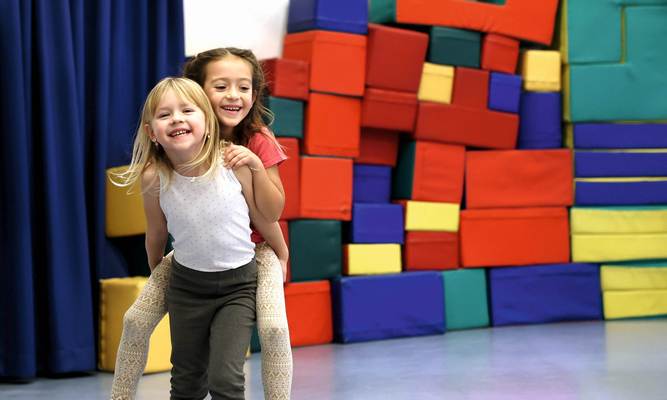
{"type": "Point", "coordinates": [148, 309]}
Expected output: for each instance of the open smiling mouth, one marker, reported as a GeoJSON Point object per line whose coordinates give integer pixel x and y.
{"type": "Point", "coordinates": [179, 132]}
{"type": "Point", "coordinates": [233, 109]}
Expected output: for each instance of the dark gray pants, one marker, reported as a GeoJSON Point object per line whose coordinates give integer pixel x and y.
{"type": "Point", "coordinates": [211, 316]}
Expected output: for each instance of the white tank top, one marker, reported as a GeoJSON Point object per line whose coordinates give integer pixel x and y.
{"type": "Point", "coordinates": [209, 221]}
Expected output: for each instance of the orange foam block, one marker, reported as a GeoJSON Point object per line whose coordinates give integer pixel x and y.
{"type": "Point", "coordinates": [449, 123]}
{"type": "Point", "coordinates": [522, 19]}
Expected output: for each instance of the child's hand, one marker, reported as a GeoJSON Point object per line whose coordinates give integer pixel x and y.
{"type": "Point", "coordinates": [283, 265]}
{"type": "Point", "coordinates": [237, 156]}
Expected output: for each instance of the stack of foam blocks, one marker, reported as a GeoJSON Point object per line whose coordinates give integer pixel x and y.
{"type": "Point", "coordinates": [125, 224]}
{"type": "Point", "coordinates": [613, 104]}
{"type": "Point", "coordinates": [427, 186]}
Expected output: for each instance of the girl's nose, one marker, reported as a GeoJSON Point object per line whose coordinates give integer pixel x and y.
{"type": "Point", "coordinates": [232, 94]}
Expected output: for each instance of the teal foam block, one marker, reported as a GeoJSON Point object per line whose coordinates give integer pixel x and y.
{"type": "Point", "coordinates": [617, 60]}
{"type": "Point", "coordinates": [382, 11]}
{"type": "Point", "coordinates": [316, 249]}
{"type": "Point", "coordinates": [451, 46]}
{"type": "Point", "coordinates": [288, 117]}
{"type": "Point", "coordinates": [466, 304]}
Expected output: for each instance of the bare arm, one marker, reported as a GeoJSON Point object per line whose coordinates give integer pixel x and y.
{"type": "Point", "coordinates": [269, 230]}
{"type": "Point", "coordinates": [156, 223]}
{"type": "Point", "coordinates": [269, 195]}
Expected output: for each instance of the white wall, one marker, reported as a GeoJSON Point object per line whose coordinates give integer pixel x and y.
{"type": "Point", "coordinates": [258, 25]}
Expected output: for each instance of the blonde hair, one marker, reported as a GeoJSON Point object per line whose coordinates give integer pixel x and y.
{"type": "Point", "coordinates": [145, 152]}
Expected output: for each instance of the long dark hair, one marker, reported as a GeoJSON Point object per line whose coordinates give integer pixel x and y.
{"type": "Point", "coordinates": [259, 116]}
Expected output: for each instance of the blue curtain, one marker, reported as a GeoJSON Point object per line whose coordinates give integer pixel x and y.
{"type": "Point", "coordinates": [73, 78]}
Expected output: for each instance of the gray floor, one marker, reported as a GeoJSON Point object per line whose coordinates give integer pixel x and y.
{"type": "Point", "coordinates": [591, 360]}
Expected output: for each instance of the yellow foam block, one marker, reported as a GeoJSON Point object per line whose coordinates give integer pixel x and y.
{"type": "Point", "coordinates": [116, 296]}
{"type": "Point", "coordinates": [541, 70]}
{"type": "Point", "coordinates": [124, 211]}
{"type": "Point", "coordinates": [618, 220]}
{"type": "Point", "coordinates": [634, 303]}
{"type": "Point", "coordinates": [614, 277]}
{"type": "Point", "coordinates": [367, 259]}
{"type": "Point", "coordinates": [431, 216]}
{"type": "Point", "coordinates": [618, 247]}
{"type": "Point", "coordinates": [436, 83]}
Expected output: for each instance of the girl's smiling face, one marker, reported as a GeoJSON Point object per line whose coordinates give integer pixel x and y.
{"type": "Point", "coordinates": [179, 127]}
{"type": "Point", "coordinates": [228, 86]}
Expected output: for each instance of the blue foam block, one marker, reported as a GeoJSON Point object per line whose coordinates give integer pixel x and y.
{"type": "Point", "coordinates": [504, 92]}
{"type": "Point", "coordinates": [620, 136]}
{"type": "Point", "coordinates": [388, 306]}
{"type": "Point", "coordinates": [620, 193]}
{"type": "Point", "coordinates": [372, 184]}
{"type": "Point", "coordinates": [349, 16]}
{"type": "Point", "coordinates": [540, 121]}
{"type": "Point", "coordinates": [621, 164]}
{"type": "Point", "coordinates": [545, 293]}
{"type": "Point", "coordinates": [377, 223]}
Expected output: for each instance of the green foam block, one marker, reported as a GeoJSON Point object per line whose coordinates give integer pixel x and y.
{"type": "Point", "coordinates": [466, 304]}
{"type": "Point", "coordinates": [617, 61]}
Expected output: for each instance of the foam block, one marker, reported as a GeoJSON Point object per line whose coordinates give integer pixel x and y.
{"type": "Point", "coordinates": [518, 178]}
{"type": "Point", "coordinates": [620, 191]}
{"type": "Point", "coordinates": [466, 126]}
{"type": "Point", "coordinates": [377, 223]}
{"type": "Point", "coordinates": [431, 251]}
{"type": "Point", "coordinates": [471, 88]}
{"type": "Point", "coordinates": [614, 220]}
{"type": "Point", "coordinates": [404, 49]}
{"type": "Point", "coordinates": [618, 247]}
{"type": "Point", "coordinates": [315, 250]}
{"type": "Point", "coordinates": [635, 276]}
{"type": "Point", "coordinates": [389, 110]}
{"type": "Point", "coordinates": [287, 78]}
{"type": "Point", "coordinates": [372, 184]}
{"type": "Point", "coordinates": [337, 60]}
{"type": "Point", "coordinates": [451, 46]}
{"type": "Point", "coordinates": [383, 307]}
{"type": "Point", "coordinates": [429, 172]}
{"type": "Point", "coordinates": [309, 317]}
{"type": "Point", "coordinates": [431, 216]}
{"type": "Point", "coordinates": [545, 293]}
{"type": "Point", "coordinates": [372, 259]}
{"type": "Point", "coordinates": [381, 11]}
{"type": "Point", "coordinates": [540, 122]}
{"type": "Point", "coordinates": [541, 70]}
{"type": "Point", "coordinates": [521, 19]}
{"type": "Point", "coordinates": [504, 92]}
{"type": "Point", "coordinates": [377, 147]}
{"type": "Point", "coordinates": [332, 126]}
{"type": "Point", "coordinates": [522, 236]}
{"type": "Point", "coordinates": [124, 211]}
{"type": "Point", "coordinates": [287, 117]}
{"type": "Point", "coordinates": [465, 299]}
{"type": "Point", "coordinates": [634, 303]}
{"type": "Point", "coordinates": [116, 297]}
{"type": "Point", "coordinates": [621, 54]}
{"type": "Point", "coordinates": [326, 188]}
{"type": "Point", "coordinates": [436, 83]}
{"type": "Point", "coordinates": [335, 15]}
{"type": "Point", "coordinates": [290, 175]}
{"type": "Point", "coordinates": [619, 136]}
{"type": "Point", "coordinates": [623, 163]}
{"type": "Point", "coordinates": [500, 53]}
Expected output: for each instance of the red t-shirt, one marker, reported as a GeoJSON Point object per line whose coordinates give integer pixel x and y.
{"type": "Point", "coordinates": [269, 151]}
